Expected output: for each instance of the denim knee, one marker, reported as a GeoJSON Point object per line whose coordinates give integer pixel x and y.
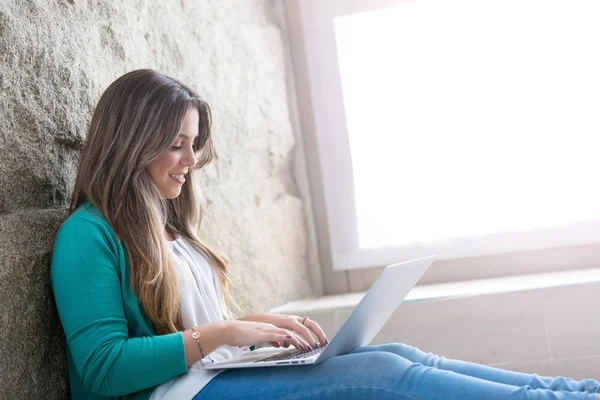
{"type": "Point", "coordinates": [398, 348]}
{"type": "Point", "coordinates": [413, 354]}
{"type": "Point", "coordinates": [404, 350]}
{"type": "Point", "coordinates": [388, 361]}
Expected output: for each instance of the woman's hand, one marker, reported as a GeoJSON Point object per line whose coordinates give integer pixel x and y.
{"type": "Point", "coordinates": [248, 333]}
{"type": "Point", "coordinates": [294, 324]}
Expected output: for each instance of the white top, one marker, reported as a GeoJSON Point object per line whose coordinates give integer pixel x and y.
{"type": "Point", "coordinates": [201, 302]}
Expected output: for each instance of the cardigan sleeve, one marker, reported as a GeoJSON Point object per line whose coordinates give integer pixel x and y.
{"type": "Point", "coordinates": [87, 289]}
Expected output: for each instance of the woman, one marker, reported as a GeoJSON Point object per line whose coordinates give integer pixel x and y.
{"type": "Point", "coordinates": [144, 301]}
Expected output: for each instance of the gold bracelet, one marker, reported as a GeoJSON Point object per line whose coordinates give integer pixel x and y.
{"type": "Point", "coordinates": [196, 335]}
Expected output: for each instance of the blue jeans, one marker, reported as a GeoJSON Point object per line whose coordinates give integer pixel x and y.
{"type": "Point", "coordinates": [392, 371]}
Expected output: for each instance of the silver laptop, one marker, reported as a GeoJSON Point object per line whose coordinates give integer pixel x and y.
{"type": "Point", "coordinates": [367, 319]}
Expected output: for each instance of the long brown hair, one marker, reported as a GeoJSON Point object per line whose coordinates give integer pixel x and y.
{"type": "Point", "coordinates": [137, 119]}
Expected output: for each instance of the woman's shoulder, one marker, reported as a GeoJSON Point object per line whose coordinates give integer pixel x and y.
{"type": "Point", "coordinates": [84, 220]}
{"type": "Point", "coordinates": [84, 241]}
{"type": "Point", "coordinates": [87, 211]}
{"type": "Point", "coordinates": [85, 248]}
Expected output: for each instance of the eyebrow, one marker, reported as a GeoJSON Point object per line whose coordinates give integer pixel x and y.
{"type": "Point", "coordinates": [186, 136]}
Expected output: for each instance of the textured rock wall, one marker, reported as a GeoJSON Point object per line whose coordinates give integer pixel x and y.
{"type": "Point", "coordinates": [56, 58]}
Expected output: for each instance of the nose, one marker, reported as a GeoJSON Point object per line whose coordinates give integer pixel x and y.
{"type": "Point", "coordinates": [189, 157]}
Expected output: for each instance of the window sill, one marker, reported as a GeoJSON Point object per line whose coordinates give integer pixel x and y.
{"type": "Point", "coordinates": [452, 290]}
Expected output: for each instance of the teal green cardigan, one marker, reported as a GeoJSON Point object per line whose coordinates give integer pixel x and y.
{"type": "Point", "coordinates": [112, 349]}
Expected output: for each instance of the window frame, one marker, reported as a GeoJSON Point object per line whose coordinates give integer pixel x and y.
{"type": "Point", "coordinates": [312, 41]}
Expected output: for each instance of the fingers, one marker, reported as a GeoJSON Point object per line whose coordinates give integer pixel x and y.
{"type": "Point", "coordinates": [296, 334]}
{"type": "Point", "coordinates": [295, 340]}
{"type": "Point", "coordinates": [248, 332]}
{"type": "Point", "coordinates": [310, 327]}
{"type": "Point", "coordinates": [316, 328]}
{"type": "Point", "coordinates": [306, 346]}
{"type": "Point", "coordinates": [306, 334]}
{"type": "Point", "coordinates": [276, 337]}
{"type": "Point", "coordinates": [287, 339]}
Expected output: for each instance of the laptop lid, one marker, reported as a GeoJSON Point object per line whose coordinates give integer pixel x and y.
{"type": "Point", "coordinates": [377, 306]}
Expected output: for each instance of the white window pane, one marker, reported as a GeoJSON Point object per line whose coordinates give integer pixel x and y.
{"type": "Point", "coordinates": [471, 117]}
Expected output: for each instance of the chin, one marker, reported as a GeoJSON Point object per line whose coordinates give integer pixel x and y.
{"type": "Point", "coordinates": [171, 194]}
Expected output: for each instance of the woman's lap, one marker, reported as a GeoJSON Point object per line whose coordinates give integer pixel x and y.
{"type": "Point", "coordinates": [319, 381]}
{"type": "Point", "coordinates": [372, 372]}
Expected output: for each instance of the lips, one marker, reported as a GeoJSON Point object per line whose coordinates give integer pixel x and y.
{"type": "Point", "coordinates": [179, 178]}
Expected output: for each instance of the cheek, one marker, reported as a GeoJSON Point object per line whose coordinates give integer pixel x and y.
{"type": "Point", "coordinates": [160, 167]}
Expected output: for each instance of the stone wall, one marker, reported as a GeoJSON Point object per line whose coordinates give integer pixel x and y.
{"type": "Point", "coordinates": [56, 58]}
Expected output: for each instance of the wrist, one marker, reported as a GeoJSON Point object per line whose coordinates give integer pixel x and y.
{"type": "Point", "coordinates": [253, 318]}
{"type": "Point", "coordinates": [224, 331]}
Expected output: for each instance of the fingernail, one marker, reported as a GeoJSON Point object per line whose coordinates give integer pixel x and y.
{"type": "Point", "coordinates": [289, 337]}
{"type": "Point", "coordinates": [310, 348]}
{"type": "Point", "coordinates": [317, 344]}
{"type": "Point", "coordinates": [302, 347]}
{"type": "Point", "coordinates": [326, 341]}
{"type": "Point", "coordinates": [286, 344]}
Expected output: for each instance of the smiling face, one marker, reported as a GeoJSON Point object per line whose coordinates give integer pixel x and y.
{"type": "Point", "coordinates": [169, 169]}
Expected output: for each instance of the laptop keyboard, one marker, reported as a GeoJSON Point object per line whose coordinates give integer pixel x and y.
{"type": "Point", "coordinates": [294, 354]}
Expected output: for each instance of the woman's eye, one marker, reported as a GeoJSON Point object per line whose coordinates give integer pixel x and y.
{"type": "Point", "coordinates": [176, 147]}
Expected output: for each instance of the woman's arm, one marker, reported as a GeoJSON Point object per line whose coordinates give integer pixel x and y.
{"type": "Point", "coordinates": [233, 333]}
{"type": "Point", "coordinates": [86, 283]}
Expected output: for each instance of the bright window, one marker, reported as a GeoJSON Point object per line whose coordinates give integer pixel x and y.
{"type": "Point", "coordinates": [486, 111]}
{"type": "Point", "coordinates": [472, 127]}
